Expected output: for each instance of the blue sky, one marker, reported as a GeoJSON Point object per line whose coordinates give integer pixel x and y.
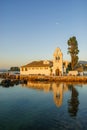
{"type": "Point", "coordinates": [32, 29]}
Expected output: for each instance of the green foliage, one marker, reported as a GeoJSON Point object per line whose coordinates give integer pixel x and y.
{"type": "Point", "coordinates": [73, 51]}
{"type": "Point", "coordinates": [68, 67]}
{"type": "Point", "coordinates": [14, 69]}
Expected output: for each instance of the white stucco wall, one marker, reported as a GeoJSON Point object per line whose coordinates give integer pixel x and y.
{"type": "Point", "coordinates": [35, 71]}
{"type": "Point", "coordinates": [73, 73]}
{"type": "Point", "coordinates": [58, 61]}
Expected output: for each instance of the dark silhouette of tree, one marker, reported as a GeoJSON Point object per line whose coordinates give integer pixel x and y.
{"type": "Point", "coordinates": [14, 69]}
{"type": "Point", "coordinates": [68, 67]}
{"type": "Point", "coordinates": [73, 103]}
{"type": "Point", "coordinates": [73, 51]}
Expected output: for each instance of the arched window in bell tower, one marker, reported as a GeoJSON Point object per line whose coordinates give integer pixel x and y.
{"type": "Point", "coordinates": [57, 58]}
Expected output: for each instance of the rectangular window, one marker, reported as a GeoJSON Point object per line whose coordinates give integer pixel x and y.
{"type": "Point", "coordinates": [25, 69]}
{"type": "Point", "coordinates": [46, 67]}
{"type": "Point", "coordinates": [22, 69]}
{"type": "Point", "coordinates": [41, 68]}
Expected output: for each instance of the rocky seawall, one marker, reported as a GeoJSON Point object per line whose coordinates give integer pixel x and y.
{"type": "Point", "coordinates": [55, 78]}
{"type": "Point", "coordinates": [10, 80]}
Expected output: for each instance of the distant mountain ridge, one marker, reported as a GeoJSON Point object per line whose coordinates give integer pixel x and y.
{"type": "Point", "coordinates": [3, 70]}
{"type": "Point", "coordinates": [83, 62]}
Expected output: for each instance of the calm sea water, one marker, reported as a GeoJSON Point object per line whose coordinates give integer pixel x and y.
{"type": "Point", "coordinates": [44, 106]}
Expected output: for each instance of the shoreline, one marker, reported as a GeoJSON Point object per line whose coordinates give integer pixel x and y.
{"type": "Point", "coordinates": [55, 78]}
{"type": "Point", "coordinates": [45, 78]}
{"type": "Point", "coordinates": [11, 80]}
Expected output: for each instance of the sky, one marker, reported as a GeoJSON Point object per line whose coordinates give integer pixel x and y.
{"type": "Point", "coordinates": [32, 29]}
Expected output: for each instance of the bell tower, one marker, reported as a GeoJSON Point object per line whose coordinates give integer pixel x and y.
{"type": "Point", "coordinates": [58, 62]}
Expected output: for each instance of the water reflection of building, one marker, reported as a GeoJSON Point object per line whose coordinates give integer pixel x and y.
{"type": "Point", "coordinates": [58, 91]}
{"type": "Point", "coordinates": [57, 88]}
{"type": "Point", "coordinates": [40, 85]}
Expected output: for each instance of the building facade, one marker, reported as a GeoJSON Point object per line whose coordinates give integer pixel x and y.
{"type": "Point", "coordinates": [58, 62]}
{"type": "Point", "coordinates": [45, 67]}
{"type": "Point", "coordinates": [36, 68]}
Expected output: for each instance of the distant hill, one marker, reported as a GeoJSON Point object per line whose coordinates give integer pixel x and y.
{"type": "Point", "coordinates": [3, 70]}
{"type": "Point", "coordinates": [83, 62]}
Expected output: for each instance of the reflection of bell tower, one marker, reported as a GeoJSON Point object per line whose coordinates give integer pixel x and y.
{"type": "Point", "coordinates": [58, 62]}
{"type": "Point", "coordinates": [58, 94]}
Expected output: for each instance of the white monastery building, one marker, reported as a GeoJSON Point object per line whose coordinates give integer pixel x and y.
{"type": "Point", "coordinates": [46, 67]}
